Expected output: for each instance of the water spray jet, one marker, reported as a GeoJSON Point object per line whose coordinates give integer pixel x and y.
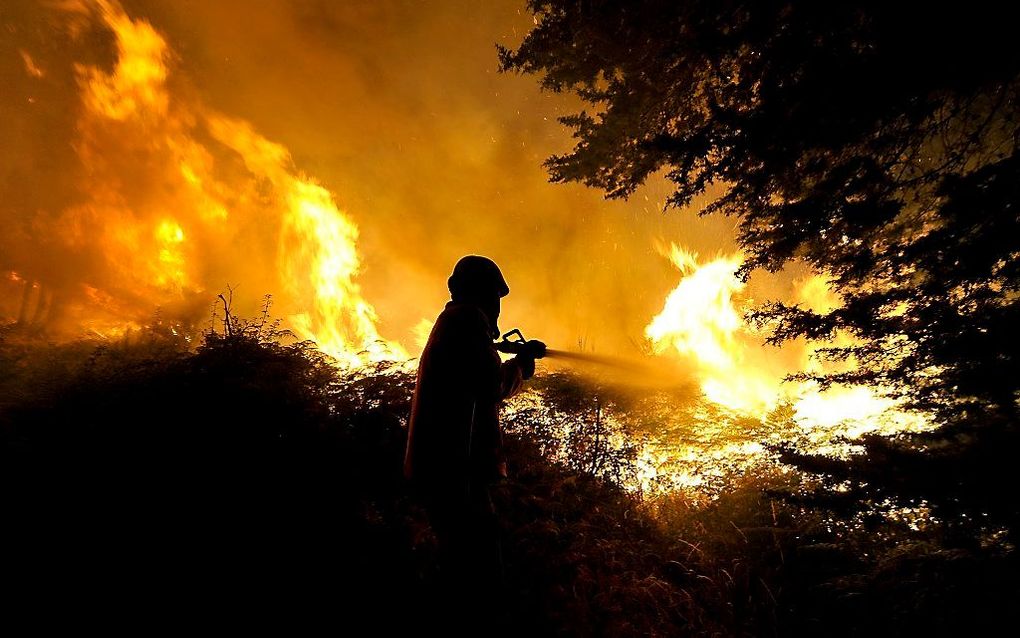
{"type": "Point", "coordinates": [513, 342]}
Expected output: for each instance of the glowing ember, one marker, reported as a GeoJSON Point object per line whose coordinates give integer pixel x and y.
{"type": "Point", "coordinates": [30, 66]}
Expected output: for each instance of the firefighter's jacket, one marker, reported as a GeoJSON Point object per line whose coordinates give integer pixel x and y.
{"type": "Point", "coordinates": [454, 438]}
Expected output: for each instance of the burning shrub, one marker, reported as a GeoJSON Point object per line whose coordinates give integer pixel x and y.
{"type": "Point", "coordinates": [577, 423]}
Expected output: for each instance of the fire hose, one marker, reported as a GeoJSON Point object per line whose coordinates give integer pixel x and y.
{"type": "Point", "coordinates": [513, 342]}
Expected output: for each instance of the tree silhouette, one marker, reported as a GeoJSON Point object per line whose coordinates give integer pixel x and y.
{"type": "Point", "coordinates": [874, 141]}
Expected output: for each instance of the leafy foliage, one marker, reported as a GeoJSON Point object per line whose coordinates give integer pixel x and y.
{"type": "Point", "coordinates": [875, 141]}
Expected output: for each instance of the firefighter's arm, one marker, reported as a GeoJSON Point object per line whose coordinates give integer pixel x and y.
{"type": "Point", "coordinates": [512, 375]}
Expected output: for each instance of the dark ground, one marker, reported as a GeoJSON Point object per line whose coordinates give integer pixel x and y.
{"type": "Point", "coordinates": [247, 484]}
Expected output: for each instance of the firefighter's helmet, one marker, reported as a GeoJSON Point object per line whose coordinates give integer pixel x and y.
{"type": "Point", "coordinates": [475, 275]}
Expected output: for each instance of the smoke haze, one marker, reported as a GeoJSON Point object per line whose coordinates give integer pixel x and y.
{"type": "Point", "coordinates": [396, 108]}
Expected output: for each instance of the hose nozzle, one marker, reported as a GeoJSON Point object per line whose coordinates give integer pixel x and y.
{"type": "Point", "coordinates": [513, 342]}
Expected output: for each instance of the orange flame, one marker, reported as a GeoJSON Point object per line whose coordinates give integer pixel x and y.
{"type": "Point", "coordinates": [422, 331]}
{"type": "Point", "coordinates": [702, 322]}
{"type": "Point", "coordinates": [31, 67]}
{"type": "Point", "coordinates": [162, 216]}
{"type": "Point", "coordinates": [138, 79]}
{"type": "Point", "coordinates": [318, 257]}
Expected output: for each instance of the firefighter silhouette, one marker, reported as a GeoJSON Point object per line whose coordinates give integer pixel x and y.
{"type": "Point", "coordinates": [454, 448]}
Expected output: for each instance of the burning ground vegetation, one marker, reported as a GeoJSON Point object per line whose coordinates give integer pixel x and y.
{"type": "Point", "coordinates": [242, 473]}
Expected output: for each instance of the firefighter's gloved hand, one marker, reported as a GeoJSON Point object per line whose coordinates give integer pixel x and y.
{"type": "Point", "coordinates": [530, 351]}
{"type": "Point", "coordinates": [534, 349]}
